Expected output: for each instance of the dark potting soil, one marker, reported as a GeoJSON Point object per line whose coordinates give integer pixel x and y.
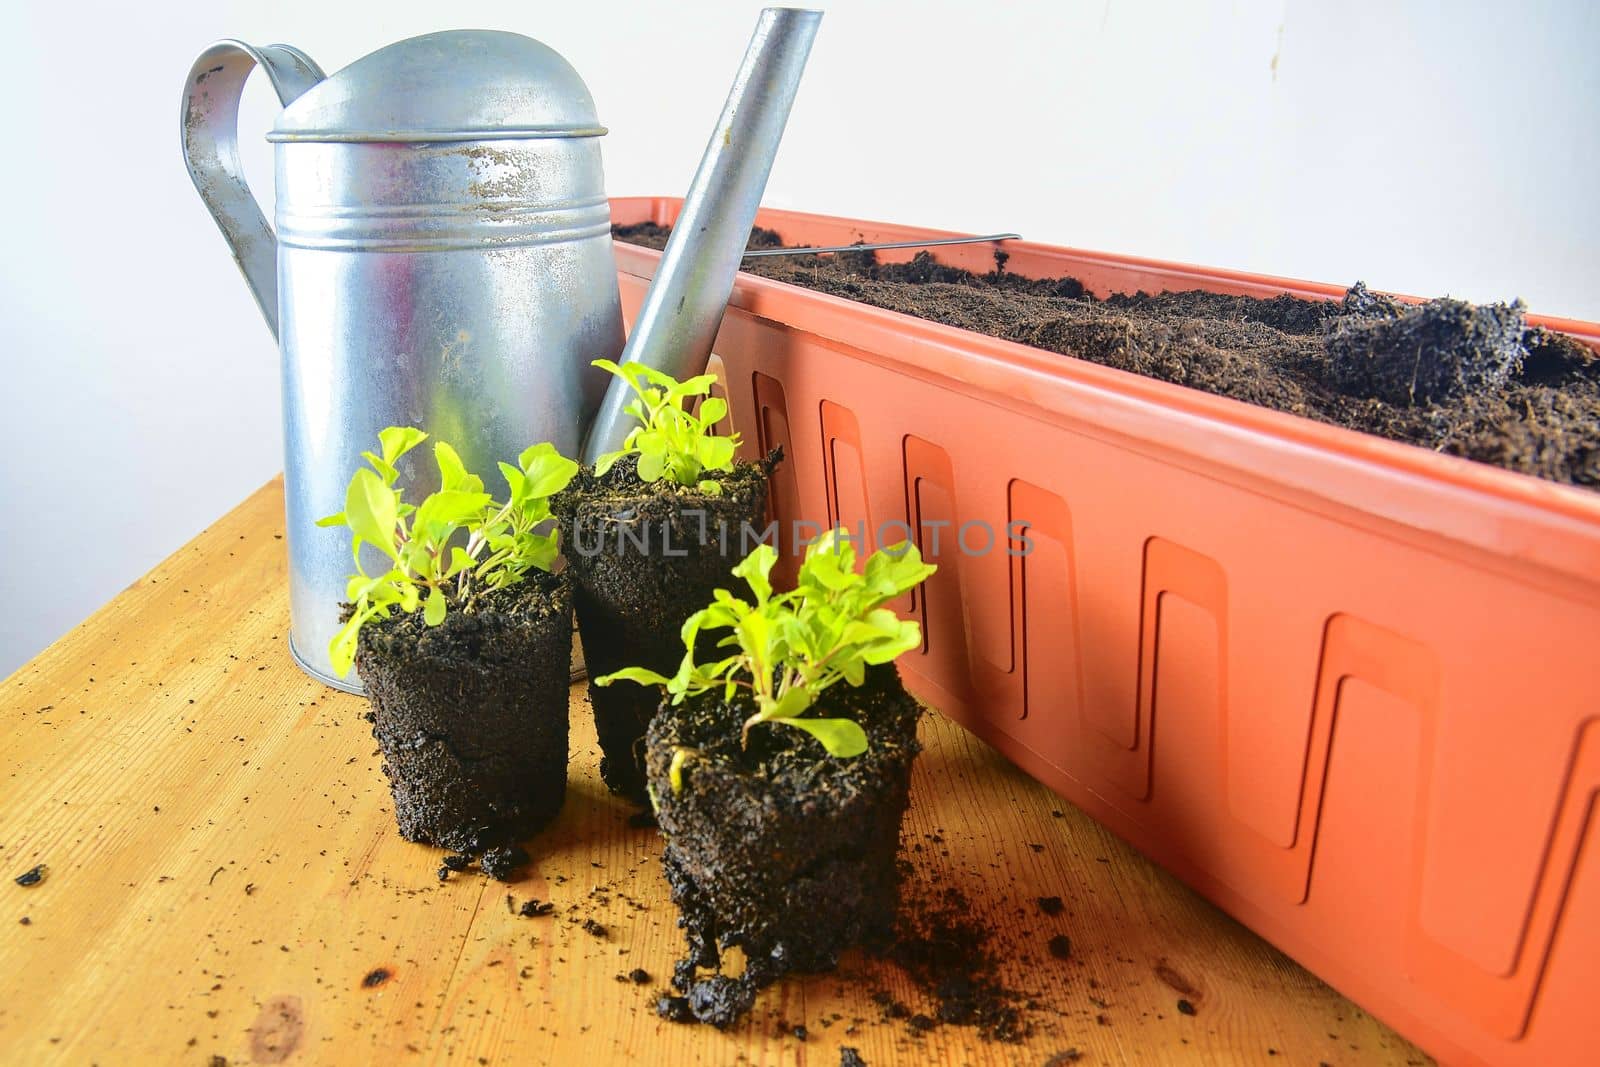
{"type": "Point", "coordinates": [953, 960]}
{"type": "Point", "coordinates": [471, 718]}
{"type": "Point", "coordinates": [1461, 379]}
{"type": "Point", "coordinates": [644, 557]}
{"type": "Point", "coordinates": [779, 849]}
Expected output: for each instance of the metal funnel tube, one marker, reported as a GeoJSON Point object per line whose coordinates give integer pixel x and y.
{"type": "Point", "coordinates": [683, 309]}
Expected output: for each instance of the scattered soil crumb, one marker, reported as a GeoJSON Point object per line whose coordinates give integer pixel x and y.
{"type": "Point", "coordinates": [1061, 947]}
{"type": "Point", "coordinates": [720, 1000]}
{"type": "Point", "coordinates": [849, 1057]}
{"type": "Point", "coordinates": [502, 863]}
{"type": "Point", "coordinates": [949, 956]}
{"type": "Point", "coordinates": [1051, 905]}
{"type": "Point", "coordinates": [534, 909]}
{"type": "Point", "coordinates": [375, 977]}
{"type": "Point", "coordinates": [674, 1009]}
{"type": "Point", "coordinates": [31, 877]}
{"type": "Point", "coordinates": [1185, 1007]}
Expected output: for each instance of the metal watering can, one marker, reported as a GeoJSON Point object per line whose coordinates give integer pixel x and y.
{"type": "Point", "coordinates": [441, 258]}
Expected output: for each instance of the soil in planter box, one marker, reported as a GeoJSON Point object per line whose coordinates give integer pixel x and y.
{"type": "Point", "coordinates": [471, 716]}
{"type": "Point", "coordinates": [644, 558]}
{"type": "Point", "coordinates": [778, 848]}
{"type": "Point", "coordinates": [1461, 379]}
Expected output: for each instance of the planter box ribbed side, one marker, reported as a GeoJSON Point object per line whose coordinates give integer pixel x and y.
{"type": "Point", "coordinates": [1346, 688]}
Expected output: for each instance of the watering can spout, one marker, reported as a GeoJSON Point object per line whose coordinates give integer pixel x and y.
{"type": "Point", "coordinates": [210, 132]}
{"type": "Point", "coordinates": [678, 322]}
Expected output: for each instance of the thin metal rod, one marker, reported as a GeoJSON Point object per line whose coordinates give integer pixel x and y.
{"type": "Point", "coordinates": [819, 249]}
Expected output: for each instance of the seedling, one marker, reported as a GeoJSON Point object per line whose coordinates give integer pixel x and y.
{"type": "Point", "coordinates": [791, 647]}
{"type": "Point", "coordinates": [455, 545]}
{"type": "Point", "coordinates": [670, 442]}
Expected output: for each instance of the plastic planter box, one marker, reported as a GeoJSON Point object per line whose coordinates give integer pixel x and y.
{"type": "Point", "coordinates": [1346, 688]}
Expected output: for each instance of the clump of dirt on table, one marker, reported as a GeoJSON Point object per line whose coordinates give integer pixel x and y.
{"type": "Point", "coordinates": [1461, 379]}
{"type": "Point", "coordinates": [953, 961]}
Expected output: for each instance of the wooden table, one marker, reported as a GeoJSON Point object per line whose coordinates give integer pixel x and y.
{"type": "Point", "coordinates": [223, 879]}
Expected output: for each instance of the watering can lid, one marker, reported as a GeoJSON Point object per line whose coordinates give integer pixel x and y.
{"type": "Point", "coordinates": [458, 85]}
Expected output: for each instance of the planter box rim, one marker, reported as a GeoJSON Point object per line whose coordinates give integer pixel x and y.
{"type": "Point", "coordinates": [1353, 474]}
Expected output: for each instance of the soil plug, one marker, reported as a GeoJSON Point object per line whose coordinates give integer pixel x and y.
{"type": "Point", "coordinates": [652, 529]}
{"type": "Point", "coordinates": [780, 768]}
{"type": "Point", "coordinates": [463, 639]}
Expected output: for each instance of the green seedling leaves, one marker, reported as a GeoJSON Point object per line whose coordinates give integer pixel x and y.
{"type": "Point", "coordinates": [842, 738]}
{"type": "Point", "coordinates": [371, 510]}
{"type": "Point", "coordinates": [671, 441]}
{"type": "Point", "coordinates": [788, 648]}
{"type": "Point", "coordinates": [453, 544]}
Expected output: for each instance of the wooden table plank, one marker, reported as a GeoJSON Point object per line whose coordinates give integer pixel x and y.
{"type": "Point", "coordinates": [224, 879]}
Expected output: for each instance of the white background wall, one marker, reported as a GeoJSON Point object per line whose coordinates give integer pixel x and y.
{"type": "Point", "coordinates": [1430, 148]}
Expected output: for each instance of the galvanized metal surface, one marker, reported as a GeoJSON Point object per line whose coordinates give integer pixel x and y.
{"type": "Point", "coordinates": [442, 256]}
{"type": "Point", "coordinates": [678, 321]}
{"type": "Point", "coordinates": [209, 128]}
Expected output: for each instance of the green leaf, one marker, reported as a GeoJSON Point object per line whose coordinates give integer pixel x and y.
{"type": "Point", "coordinates": [447, 509]}
{"type": "Point", "coordinates": [396, 441]}
{"type": "Point", "coordinates": [713, 409]}
{"type": "Point", "coordinates": [540, 550]}
{"type": "Point", "coordinates": [827, 570]}
{"type": "Point", "coordinates": [453, 474]}
{"type": "Point", "coordinates": [342, 649]}
{"type": "Point", "coordinates": [642, 675]}
{"type": "Point", "coordinates": [709, 487]}
{"type": "Point", "coordinates": [794, 701]}
{"type": "Point", "coordinates": [843, 738]}
{"type": "Point", "coordinates": [371, 511]}
{"type": "Point", "coordinates": [516, 481]}
{"type": "Point", "coordinates": [756, 568]}
{"type": "Point", "coordinates": [385, 469]}
{"type": "Point", "coordinates": [651, 466]}
{"type": "Point", "coordinates": [607, 461]}
{"type": "Point", "coordinates": [699, 385]}
{"type": "Point", "coordinates": [548, 471]}
{"type": "Point", "coordinates": [892, 570]}
{"type": "Point", "coordinates": [459, 561]}
{"type": "Point", "coordinates": [715, 453]}
{"type": "Point", "coordinates": [434, 607]}
{"type": "Point", "coordinates": [332, 520]}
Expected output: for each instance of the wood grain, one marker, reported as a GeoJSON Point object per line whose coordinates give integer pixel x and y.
{"type": "Point", "coordinates": [223, 878]}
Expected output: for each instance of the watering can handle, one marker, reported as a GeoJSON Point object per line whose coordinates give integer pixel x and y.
{"type": "Point", "coordinates": [210, 129]}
